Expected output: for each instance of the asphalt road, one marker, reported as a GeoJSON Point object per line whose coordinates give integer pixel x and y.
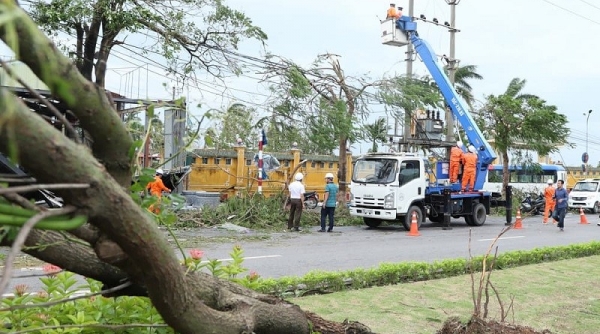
{"type": "Point", "coordinates": [349, 247]}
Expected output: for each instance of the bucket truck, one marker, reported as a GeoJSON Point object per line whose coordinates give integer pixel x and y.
{"type": "Point", "coordinates": [393, 186]}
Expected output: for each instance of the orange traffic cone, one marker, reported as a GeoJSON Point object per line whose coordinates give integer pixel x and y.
{"type": "Point", "coordinates": [518, 221]}
{"type": "Point", "coordinates": [414, 226]}
{"type": "Point", "coordinates": [582, 217]}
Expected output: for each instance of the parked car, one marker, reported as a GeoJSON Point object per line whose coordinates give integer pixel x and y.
{"type": "Point", "coordinates": [585, 194]}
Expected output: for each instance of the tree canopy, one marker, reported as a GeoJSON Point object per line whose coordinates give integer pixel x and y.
{"type": "Point", "coordinates": [520, 122]}
{"type": "Point", "coordinates": [188, 34]}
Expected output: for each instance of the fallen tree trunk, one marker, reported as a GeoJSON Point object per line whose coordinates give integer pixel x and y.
{"type": "Point", "coordinates": [129, 244]}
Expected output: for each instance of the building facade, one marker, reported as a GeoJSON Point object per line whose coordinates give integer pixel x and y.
{"type": "Point", "coordinates": [234, 172]}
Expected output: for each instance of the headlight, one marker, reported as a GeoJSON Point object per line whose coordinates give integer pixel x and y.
{"type": "Point", "coordinates": [388, 201]}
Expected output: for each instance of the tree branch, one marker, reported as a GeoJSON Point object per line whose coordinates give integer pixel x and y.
{"type": "Point", "coordinates": [20, 241]}
{"type": "Point", "coordinates": [51, 247]}
{"type": "Point", "coordinates": [87, 101]}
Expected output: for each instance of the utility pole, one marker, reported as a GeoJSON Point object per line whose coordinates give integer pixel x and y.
{"type": "Point", "coordinates": [452, 66]}
{"type": "Point", "coordinates": [409, 69]}
{"type": "Point", "coordinates": [587, 154]}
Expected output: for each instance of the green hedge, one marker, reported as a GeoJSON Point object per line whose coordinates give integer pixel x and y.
{"type": "Point", "coordinates": [405, 272]}
{"type": "Point", "coordinates": [94, 315]}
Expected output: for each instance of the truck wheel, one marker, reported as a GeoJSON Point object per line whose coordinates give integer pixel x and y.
{"type": "Point", "coordinates": [478, 216]}
{"type": "Point", "coordinates": [408, 218]}
{"type": "Point", "coordinates": [372, 222]}
{"type": "Point", "coordinates": [596, 208]}
{"type": "Point", "coordinates": [437, 219]}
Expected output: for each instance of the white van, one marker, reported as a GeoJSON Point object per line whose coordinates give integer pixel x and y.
{"type": "Point", "coordinates": [586, 194]}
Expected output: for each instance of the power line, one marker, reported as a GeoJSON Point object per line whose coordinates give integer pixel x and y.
{"type": "Point", "coordinates": [572, 12]}
{"type": "Point", "coordinates": [206, 89]}
{"type": "Point", "coordinates": [591, 5]}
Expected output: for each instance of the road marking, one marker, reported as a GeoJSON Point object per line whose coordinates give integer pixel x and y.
{"type": "Point", "coordinates": [247, 258]}
{"type": "Point", "coordinates": [516, 237]}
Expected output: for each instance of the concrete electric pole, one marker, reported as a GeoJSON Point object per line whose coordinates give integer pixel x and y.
{"type": "Point", "coordinates": [409, 69]}
{"type": "Point", "coordinates": [452, 66]}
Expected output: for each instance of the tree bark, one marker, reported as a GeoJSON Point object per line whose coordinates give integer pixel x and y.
{"type": "Point", "coordinates": [52, 247]}
{"type": "Point", "coordinates": [91, 38]}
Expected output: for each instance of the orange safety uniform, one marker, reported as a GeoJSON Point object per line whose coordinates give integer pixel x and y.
{"type": "Point", "coordinates": [456, 156]}
{"type": "Point", "coordinates": [469, 169]}
{"type": "Point", "coordinates": [156, 188]}
{"type": "Point", "coordinates": [549, 196]}
{"type": "Point", "coordinates": [392, 13]}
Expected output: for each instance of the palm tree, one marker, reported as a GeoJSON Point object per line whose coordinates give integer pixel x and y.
{"type": "Point", "coordinates": [514, 89]}
{"type": "Point", "coordinates": [376, 132]}
{"type": "Point", "coordinates": [519, 122]}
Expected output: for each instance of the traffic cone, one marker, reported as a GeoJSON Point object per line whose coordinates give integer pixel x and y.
{"type": "Point", "coordinates": [414, 226]}
{"type": "Point", "coordinates": [582, 217]}
{"type": "Point", "coordinates": [518, 221]}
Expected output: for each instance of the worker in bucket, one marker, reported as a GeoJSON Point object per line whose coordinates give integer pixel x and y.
{"type": "Point", "coordinates": [392, 13]}
{"type": "Point", "coordinates": [399, 13]}
{"type": "Point", "coordinates": [469, 169]}
{"type": "Point", "coordinates": [156, 188]}
{"type": "Point", "coordinates": [456, 157]}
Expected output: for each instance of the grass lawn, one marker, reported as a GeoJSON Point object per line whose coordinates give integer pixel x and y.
{"type": "Point", "coordinates": [562, 296]}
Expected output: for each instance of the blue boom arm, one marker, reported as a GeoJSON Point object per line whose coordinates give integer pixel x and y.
{"type": "Point", "coordinates": [486, 154]}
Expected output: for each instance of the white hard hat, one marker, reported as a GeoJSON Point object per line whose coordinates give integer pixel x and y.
{"type": "Point", "coordinates": [299, 177]}
{"type": "Point", "coordinates": [472, 149]}
{"type": "Point", "coordinates": [459, 143]}
{"type": "Point", "coordinates": [329, 176]}
{"type": "Point", "coordinates": [160, 171]}
{"type": "Point", "coordinates": [550, 181]}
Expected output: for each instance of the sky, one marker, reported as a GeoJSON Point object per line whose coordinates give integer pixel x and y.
{"type": "Point", "coordinates": [551, 44]}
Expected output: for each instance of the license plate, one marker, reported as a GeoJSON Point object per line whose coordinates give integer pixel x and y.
{"type": "Point", "coordinates": [368, 212]}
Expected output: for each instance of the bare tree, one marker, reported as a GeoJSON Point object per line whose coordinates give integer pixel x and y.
{"type": "Point", "coordinates": [329, 103]}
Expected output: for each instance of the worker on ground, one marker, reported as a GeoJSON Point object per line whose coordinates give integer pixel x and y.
{"type": "Point", "coordinates": [561, 196]}
{"type": "Point", "coordinates": [329, 203]}
{"type": "Point", "coordinates": [392, 13]}
{"type": "Point", "coordinates": [469, 169]}
{"type": "Point", "coordinates": [297, 191]}
{"type": "Point", "coordinates": [549, 196]}
{"type": "Point", "coordinates": [156, 188]}
{"type": "Point", "coordinates": [456, 157]}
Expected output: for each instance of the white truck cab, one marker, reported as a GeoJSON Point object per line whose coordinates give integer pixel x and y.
{"type": "Point", "coordinates": [386, 186]}
{"type": "Point", "coordinates": [586, 194]}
